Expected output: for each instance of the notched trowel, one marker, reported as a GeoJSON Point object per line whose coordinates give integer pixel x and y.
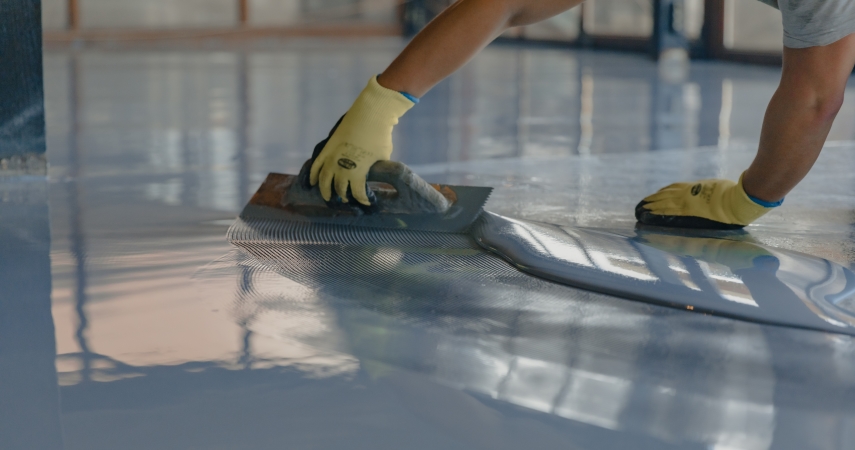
{"type": "Point", "coordinates": [400, 199]}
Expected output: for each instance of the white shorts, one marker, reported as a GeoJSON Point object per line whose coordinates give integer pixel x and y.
{"type": "Point", "coordinates": [812, 23]}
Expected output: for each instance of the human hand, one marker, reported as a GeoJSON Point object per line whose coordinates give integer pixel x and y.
{"type": "Point", "coordinates": [711, 204]}
{"type": "Point", "coordinates": [362, 137]}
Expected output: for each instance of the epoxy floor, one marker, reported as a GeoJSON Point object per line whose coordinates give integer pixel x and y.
{"type": "Point", "coordinates": [169, 337]}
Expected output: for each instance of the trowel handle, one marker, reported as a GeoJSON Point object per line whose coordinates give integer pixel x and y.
{"type": "Point", "coordinates": [414, 193]}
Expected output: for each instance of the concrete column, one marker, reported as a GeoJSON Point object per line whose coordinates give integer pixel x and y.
{"type": "Point", "coordinates": [29, 393]}
{"type": "Point", "coordinates": [22, 122]}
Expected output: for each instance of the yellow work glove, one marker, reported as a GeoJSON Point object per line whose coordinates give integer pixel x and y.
{"type": "Point", "coordinates": [363, 137]}
{"type": "Point", "coordinates": [711, 204]}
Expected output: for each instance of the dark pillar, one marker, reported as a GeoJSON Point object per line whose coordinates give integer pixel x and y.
{"type": "Point", "coordinates": [712, 34]}
{"type": "Point", "coordinates": [29, 394]}
{"type": "Point", "coordinates": [22, 123]}
{"type": "Point", "coordinates": [243, 13]}
{"type": "Point", "coordinates": [668, 29]}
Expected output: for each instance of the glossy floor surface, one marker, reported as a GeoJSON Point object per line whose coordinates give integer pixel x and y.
{"type": "Point", "coordinates": [169, 337]}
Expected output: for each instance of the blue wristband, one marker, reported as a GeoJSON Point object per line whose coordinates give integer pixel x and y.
{"type": "Point", "coordinates": [412, 98]}
{"type": "Point", "coordinates": [764, 203]}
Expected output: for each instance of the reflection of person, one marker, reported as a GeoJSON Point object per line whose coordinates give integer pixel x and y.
{"type": "Point", "coordinates": [819, 55]}
{"type": "Point", "coordinates": [756, 267]}
{"type": "Point", "coordinates": [735, 254]}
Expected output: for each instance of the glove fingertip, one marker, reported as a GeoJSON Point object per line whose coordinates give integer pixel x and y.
{"type": "Point", "coordinates": [314, 171]}
{"type": "Point", "coordinates": [640, 210]}
{"type": "Point", "coordinates": [358, 189]}
{"type": "Point", "coordinates": [659, 207]}
{"type": "Point", "coordinates": [652, 198]}
{"type": "Point", "coordinates": [326, 192]}
{"type": "Point", "coordinates": [361, 198]}
{"type": "Point", "coordinates": [341, 190]}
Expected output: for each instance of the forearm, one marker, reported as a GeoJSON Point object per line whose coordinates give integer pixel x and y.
{"type": "Point", "coordinates": [795, 127]}
{"type": "Point", "coordinates": [792, 137]}
{"type": "Point", "coordinates": [799, 117]}
{"type": "Point", "coordinates": [456, 35]}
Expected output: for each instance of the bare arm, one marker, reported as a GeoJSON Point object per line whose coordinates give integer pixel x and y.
{"type": "Point", "coordinates": [456, 35]}
{"type": "Point", "coordinates": [795, 127]}
{"type": "Point", "coordinates": [364, 134]}
{"type": "Point", "coordinates": [799, 117]}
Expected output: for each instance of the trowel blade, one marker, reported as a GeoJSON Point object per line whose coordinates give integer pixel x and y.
{"type": "Point", "coordinates": [267, 204]}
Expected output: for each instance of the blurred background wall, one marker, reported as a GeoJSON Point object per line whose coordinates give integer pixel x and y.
{"type": "Point", "coordinates": [725, 29]}
{"type": "Point", "coordinates": [66, 15]}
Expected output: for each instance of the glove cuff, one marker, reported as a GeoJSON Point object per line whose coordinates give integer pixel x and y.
{"type": "Point", "coordinates": [378, 104]}
{"type": "Point", "coordinates": [746, 210]}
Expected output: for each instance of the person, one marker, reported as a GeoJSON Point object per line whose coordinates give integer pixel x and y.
{"type": "Point", "coordinates": [818, 58]}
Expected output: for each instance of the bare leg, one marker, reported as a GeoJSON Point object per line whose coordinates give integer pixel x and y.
{"type": "Point", "coordinates": [799, 117]}
{"type": "Point", "coordinates": [456, 35]}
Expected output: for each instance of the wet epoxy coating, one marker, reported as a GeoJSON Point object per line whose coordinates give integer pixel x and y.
{"type": "Point", "coordinates": [167, 336]}
{"type": "Point", "coordinates": [708, 275]}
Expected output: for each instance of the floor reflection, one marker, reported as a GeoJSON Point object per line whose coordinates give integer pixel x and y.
{"type": "Point", "coordinates": [475, 325]}
{"type": "Point", "coordinates": [154, 151]}
{"type": "Point", "coordinates": [29, 399]}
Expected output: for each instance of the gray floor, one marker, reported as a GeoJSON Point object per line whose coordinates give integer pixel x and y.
{"type": "Point", "coordinates": [168, 337]}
